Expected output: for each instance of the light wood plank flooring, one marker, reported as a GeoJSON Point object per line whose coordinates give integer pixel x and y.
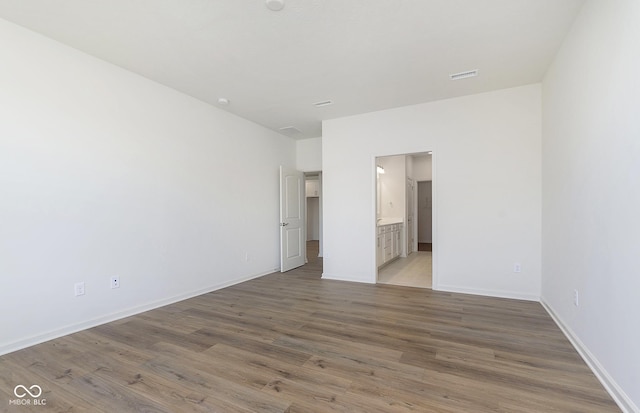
{"type": "Point", "coordinates": [412, 271]}
{"type": "Point", "coordinates": [295, 343]}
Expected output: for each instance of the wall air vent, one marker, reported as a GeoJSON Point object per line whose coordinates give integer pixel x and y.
{"type": "Point", "coordinates": [464, 75]}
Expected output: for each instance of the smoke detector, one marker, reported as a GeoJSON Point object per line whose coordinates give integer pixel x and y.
{"type": "Point", "coordinates": [275, 5]}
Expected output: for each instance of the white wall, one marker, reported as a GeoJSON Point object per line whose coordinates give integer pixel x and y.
{"type": "Point", "coordinates": [103, 172]}
{"type": "Point", "coordinates": [409, 166]}
{"type": "Point", "coordinates": [486, 168]}
{"type": "Point", "coordinates": [393, 198]}
{"type": "Point", "coordinates": [309, 155]}
{"type": "Point", "coordinates": [422, 168]}
{"type": "Point", "coordinates": [591, 191]}
{"type": "Point", "coordinates": [313, 218]}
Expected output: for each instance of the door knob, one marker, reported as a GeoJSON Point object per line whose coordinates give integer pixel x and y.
{"type": "Point", "coordinates": [284, 224]}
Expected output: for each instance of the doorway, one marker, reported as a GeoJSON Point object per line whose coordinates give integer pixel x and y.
{"type": "Point", "coordinates": [425, 216]}
{"type": "Point", "coordinates": [313, 192]}
{"type": "Point", "coordinates": [401, 258]}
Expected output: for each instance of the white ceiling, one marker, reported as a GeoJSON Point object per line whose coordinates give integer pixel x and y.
{"type": "Point", "coordinates": [364, 55]}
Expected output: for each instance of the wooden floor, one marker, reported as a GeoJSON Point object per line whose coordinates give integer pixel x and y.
{"type": "Point", "coordinates": [425, 246]}
{"type": "Point", "coordinates": [411, 271]}
{"type": "Point", "coordinates": [295, 343]}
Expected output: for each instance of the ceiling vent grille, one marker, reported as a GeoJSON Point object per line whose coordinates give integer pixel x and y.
{"type": "Point", "coordinates": [464, 75]}
{"type": "Point", "coordinates": [292, 131]}
{"type": "Point", "coordinates": [323, 103]}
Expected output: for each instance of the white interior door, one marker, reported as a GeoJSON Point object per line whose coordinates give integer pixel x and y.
{"type": "Point", "coordinates": [292, 236]}
{"type": "Point", "coordinates": [410, 216]}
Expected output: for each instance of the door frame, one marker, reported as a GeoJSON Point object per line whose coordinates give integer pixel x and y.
{"type": "Point", "coordinates": [306, 174]}
{"type": "Point", "coordinates": [411, 229]}
{"type": "Point", "coordinates": [434, 211]}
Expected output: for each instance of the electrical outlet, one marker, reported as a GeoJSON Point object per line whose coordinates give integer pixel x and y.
{"type": "Point", "coordinates": [517, 267]}
{"type": "Point", "coordinates": [115, 282]}
{"type": "Point", "coordinates": [78, 289]}
{"type": "Point", "coordinates": [576, 298]}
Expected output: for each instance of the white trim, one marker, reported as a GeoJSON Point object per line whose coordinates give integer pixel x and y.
{"type": "Point", "coordinates": [617, 394]}
{"type": "Point", "coordinates": [377, 203]}
{"type": "Point", "coordinates": [74, 328]}
{"type": "Point", "coordinates": [435, 243]}
{"type": "Point", "coordinates": [334, 277]}
{"type": "Point", "coordinates": [487, 293]}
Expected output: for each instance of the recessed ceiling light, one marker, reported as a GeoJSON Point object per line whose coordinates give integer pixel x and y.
{"type": "Point", "coordinates": [323, 103]}
{"type": "Point", "coordinates": [223, 101]}
{"type": "Point", "coordinates": [275, 5]}
{"type": "Point", "coordinates": [464, 75]}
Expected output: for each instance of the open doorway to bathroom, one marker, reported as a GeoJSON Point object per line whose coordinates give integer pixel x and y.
{"type": "Point", "coordinates": [404, 209]}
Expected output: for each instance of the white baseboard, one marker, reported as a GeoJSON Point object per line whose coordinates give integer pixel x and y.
{"type": "Point", "coordinates": [619, 396]}
{"type": "Point", "coordinates": [487, 293]}
{"type": "Point", "coordinates": [74, 328]}
{"type": "Point", "coordinates": [335, 277]}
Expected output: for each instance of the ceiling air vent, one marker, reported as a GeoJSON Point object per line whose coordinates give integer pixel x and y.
{"type": "Point", "coordinates": [464, 75]}
{"type": "Point", "coordinates": [323, 103]}
{"type": "Point", "coordinates": [291, 131]}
